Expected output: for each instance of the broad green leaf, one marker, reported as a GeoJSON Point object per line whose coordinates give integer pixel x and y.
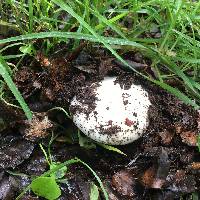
{"type": "Point", "coordinates": [27, 49]}
{"type": "Point", "coordinates": [46, 187]}
{"type": "Point", "coordinates": [59, 173]}
{"type": "Point", "coordinates": [48, 173]}
{"type": "Point", "coordinates": [94, 192]}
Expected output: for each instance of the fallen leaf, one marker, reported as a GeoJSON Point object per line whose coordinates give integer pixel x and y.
{"type": "Point", "coordinates": [189, 137]}
{"type": "Point", "coordinates": [123, 182]}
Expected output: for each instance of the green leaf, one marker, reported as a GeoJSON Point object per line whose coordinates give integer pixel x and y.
{"type": "Point", "coordinates": [59, 173]}
{"type": "Point", "coordinates": [94, 192]}
{"type": "Point", "coordinates": [27, 49]}
{"type": "Point", "coordinates": [48, 173]}
{"type": "Point", "coordinates": [97, 178]}
{"type": "Point", "coordinates": [46, 187]}
{"type": "Point", "coordinates": [6, 76]}
{"type": "Point", "coordinates": [66, 163]}
{"type": "Point", "coordinates": [111, 148]}
{"type": "Point", "coordinates": [86, 142]}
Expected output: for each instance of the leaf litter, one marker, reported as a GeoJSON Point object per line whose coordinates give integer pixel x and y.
{"type": "Point", "coordinates": [163, 164]}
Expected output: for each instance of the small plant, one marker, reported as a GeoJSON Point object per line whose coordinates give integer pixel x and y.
{"type": "Point", "coordinates": [47, 185]}
{"type": "Point", "coordinates": [166, 33]}
{"type": "Point", "coordinates": [176, 50]}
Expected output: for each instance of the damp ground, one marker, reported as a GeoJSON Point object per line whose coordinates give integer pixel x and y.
{"type": "Point", "coordinates": [163, 164]}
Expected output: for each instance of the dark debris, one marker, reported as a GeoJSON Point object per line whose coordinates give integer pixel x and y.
{"type": "Point", "coordinates": [163, 164]}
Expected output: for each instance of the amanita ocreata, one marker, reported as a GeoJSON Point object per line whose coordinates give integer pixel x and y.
{"type": "Point", "coordinates": [109, 114]}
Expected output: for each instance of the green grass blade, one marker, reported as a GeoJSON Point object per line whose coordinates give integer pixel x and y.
{"type": "Point", "coordinates": [178, 94]}
{"type": "Point", "coordinates": [11, 45]}
{"type": "Point", "coordinates": [60, 166]}
{"type": "Point", "coordinates": [109, 40]}
{"type": "Point", "coordinates": [112, 20]}
{"type": "Point", "coordinates": [74, 35]}
{"type": "Point", "coordinates": [4, 73]}
{"type": "Point", "coordinates": [12, 56]}
{"type": "Point", "coordinates": [177, 71]}
{"type": "Point", "coordinates": [186, 37]}
{"type": "Point", "coordinates": [97, 178]}
{"type": "Point", "coordinates": [111, 148]}
{"type": "Point", "coordinates": [104, 20]}
{"type": "Point", "coordinates": [69, 10]}
{"type": "Point", "coordinates": [30, 6]}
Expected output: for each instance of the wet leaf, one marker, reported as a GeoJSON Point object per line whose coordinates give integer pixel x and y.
{"type": "Point", "coordinates": [180, 181]}
{"type": "Point", "coordinates": [155, 176]}
{"type": "Point", "coordinates": [166, 136]}
{"type": "Point", "coordinates": [94, 192]}
{"type": "Point", "coordinates": [111, 148]}
{"type": "Point", "coordinates": [6, 188]}
{"type": "Point", "coordinates": [27, 49]}
{"type": "Point", "coordinates": [86, 142]}
{"type": "Point", "coordinates": [123, 182]}
{"type": "Point", "coordinates": [60, 173]}
{"type": "Point", "coordinates": [46, 187]}
{"type": "Point", "coordinates": [14, 150]}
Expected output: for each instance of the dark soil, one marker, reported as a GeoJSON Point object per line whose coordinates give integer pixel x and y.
{"type": "Point", "coordinates": [163, 164]}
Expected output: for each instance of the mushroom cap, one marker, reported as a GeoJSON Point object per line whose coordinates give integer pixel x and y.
{"type": "Point", "coordinates": [118, 115]}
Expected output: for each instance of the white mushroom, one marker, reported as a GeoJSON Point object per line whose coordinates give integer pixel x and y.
{"type": "Point", "coordinates": [109, 114]}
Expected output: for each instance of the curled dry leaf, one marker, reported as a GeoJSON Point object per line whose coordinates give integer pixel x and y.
{"type": "Point", "coordinates": [166, 136]}
{"type": "Point", "coordinates": [155, 176]}
{"type": "Point", "coordinates": [112, 195]}
{"type": "Point", "coordinates": [195, 166]}
{"type": "Point", "coordinates": [189, 137]}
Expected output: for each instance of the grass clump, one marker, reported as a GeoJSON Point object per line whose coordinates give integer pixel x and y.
{"type": "Point", "coordinates": [167, 32]}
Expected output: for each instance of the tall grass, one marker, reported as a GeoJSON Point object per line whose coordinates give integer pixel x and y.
{"type": "Point", "coordinates": [175, 54]}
